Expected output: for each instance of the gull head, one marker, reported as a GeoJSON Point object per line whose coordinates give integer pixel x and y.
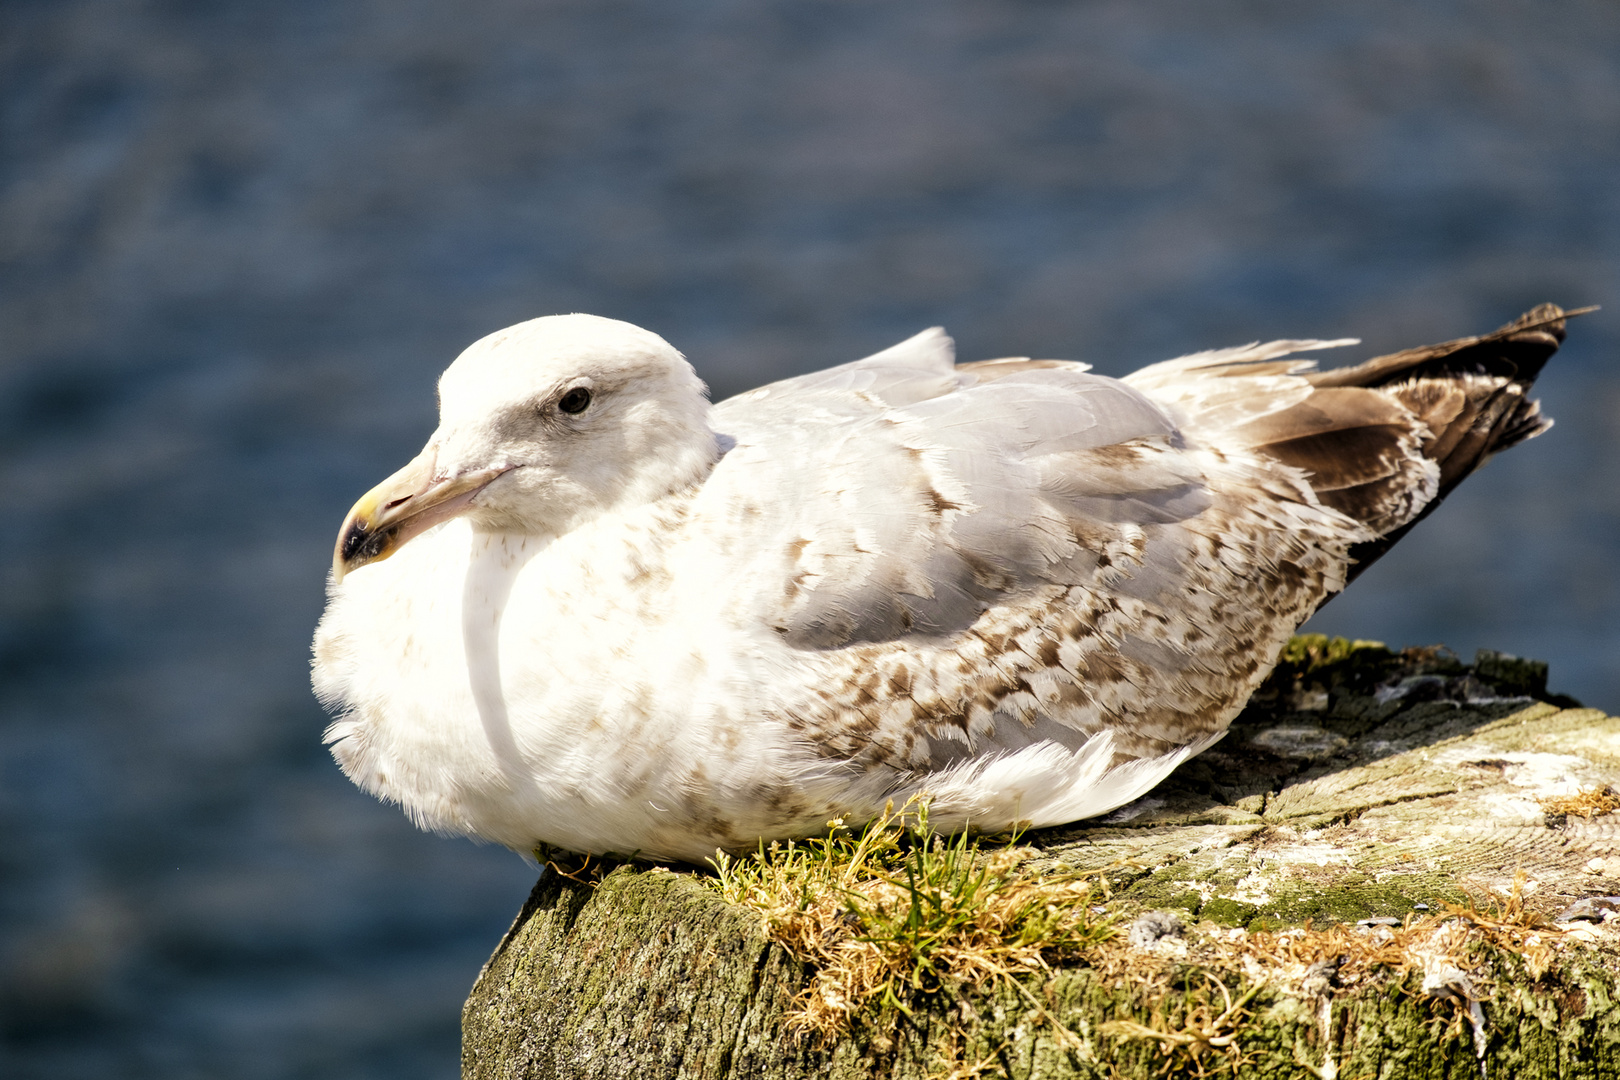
{"type": "Point", "coordinates": [543, 426]}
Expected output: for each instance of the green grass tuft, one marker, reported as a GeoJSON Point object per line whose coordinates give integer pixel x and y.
{"type": "Point", "coordinates": [892, 913]}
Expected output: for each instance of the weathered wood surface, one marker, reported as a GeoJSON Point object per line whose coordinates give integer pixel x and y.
{"type": "Point", "coordinates": [1374, 785]}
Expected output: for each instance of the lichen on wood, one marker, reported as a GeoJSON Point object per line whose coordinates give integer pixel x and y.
{"type": "Point", "coordinates": [1362, 806]}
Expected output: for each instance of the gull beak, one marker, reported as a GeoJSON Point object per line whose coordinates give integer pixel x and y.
{"type": "Point", "coordinates": [405, 505]}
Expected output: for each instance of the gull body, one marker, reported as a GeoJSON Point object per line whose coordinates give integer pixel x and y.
{"type": "Point", "coordinates": [598, 614]}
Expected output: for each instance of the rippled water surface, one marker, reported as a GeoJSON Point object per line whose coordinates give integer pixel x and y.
{"type": "Point", "coordinates": [238, 241]}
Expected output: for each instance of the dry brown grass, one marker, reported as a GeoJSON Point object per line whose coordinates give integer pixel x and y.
{"type": "Point", "coordinates": [1206, 1028]}
{"type": "Point", "coordinates": [1202, 1027]}
{"type": "Point", "coordinates": [580, 869]}
{"type": "Point", "coordinates": [1362, 952]}
{"type": "Point", "coordinates": [889, 916]}
{"type": "Point", "coordinates": [1594, 802]}
{"type": "Point", "coordinates": [892, 913]}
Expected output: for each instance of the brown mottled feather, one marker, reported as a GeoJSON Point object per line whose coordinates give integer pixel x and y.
{"type": "Point", "coordinates": [1468, 395]}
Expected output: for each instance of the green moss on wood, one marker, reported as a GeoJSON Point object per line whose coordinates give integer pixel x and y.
{"type": "Point", "coordinates": [673, 986]}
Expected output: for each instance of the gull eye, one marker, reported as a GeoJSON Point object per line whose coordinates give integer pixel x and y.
{"type": "Point", "coordinates": [575, 401]}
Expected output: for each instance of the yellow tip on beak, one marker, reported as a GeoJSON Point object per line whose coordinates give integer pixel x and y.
{"type": "Point", "coordinates": [403, 506]}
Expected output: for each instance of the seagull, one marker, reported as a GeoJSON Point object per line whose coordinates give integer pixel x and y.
{"type": "Point", "coordinates": [599, 614]}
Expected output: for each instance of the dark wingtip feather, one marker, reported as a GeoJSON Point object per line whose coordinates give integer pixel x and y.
{"type": "Point", "coordinates": [1516, 351]}
{"type": "Point", "coordinates": [1470, 396]}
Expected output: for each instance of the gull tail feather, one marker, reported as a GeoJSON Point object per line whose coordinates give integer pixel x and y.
{"type": "Point", "coordinates": [1385, 441]}
{"type": "Point", "coordinates": [1468, 398]}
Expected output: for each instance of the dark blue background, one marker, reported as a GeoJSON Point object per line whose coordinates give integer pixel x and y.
{"type": "Point", "coordinates": [239, 240]}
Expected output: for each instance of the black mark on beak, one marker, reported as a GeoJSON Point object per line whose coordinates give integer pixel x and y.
{"type": "Point", "coordinates": [363, 543]}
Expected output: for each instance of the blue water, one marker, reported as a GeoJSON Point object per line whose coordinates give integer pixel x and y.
{"type": "Point", "coordinates": [239, 240]}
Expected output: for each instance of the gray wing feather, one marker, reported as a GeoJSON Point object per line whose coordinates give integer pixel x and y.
{"type": "Point", "coordinates": [921, 367]}
{"type": "Point", "coordinates": [896, 497]}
